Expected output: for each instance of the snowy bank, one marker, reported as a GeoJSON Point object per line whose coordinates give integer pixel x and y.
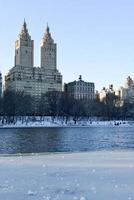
{"type": "Point", "coordinates": [60, 122]}
{"type": "Point", "coordinates": [76, 176]}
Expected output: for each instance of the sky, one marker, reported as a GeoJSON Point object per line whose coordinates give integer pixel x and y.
{"type": "Point", "coordinates": [95, 38]}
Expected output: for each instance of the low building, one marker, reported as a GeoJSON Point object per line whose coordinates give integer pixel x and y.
{"type": "Point", "coordinates": [80, 90]}
{"type": "Point", "coordinates": [0, 84]}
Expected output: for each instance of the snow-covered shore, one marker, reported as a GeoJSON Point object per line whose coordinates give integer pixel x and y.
{"type": "Point", "coordinates": [77, 176]}
{"type": "Point", "coordinates": [58, 122]}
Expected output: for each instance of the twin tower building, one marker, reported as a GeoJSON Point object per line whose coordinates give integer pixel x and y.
{"type": "Point", "coordinates": [34, 81]}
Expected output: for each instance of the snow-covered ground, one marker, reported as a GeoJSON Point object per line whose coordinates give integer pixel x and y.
{"type": "Point", "coordinates": [59, 122]}
{"type": "Point", "coordinates": [77, 176]}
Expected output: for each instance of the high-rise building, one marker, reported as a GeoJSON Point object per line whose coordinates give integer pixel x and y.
{"type": "Point", "coordinates": [109, 96]}
{"type": "Point", "coordinates": [80, 90]}
{"type": "Point", "coordinates": [0, 84]}
{"type": "Point", "coordinates": [107, 93]}
{"type": "Point", "coordinates": [126, 93]}
{"type": "Point", "coordinates": [34, 80]}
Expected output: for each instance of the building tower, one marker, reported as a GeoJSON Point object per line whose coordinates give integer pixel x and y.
{"type": "Point", "coordinates": [129, 82]}
{"type": "Point", "coordinates": [24, 48]}
{"type": "Point", "coordinates": [48, 51]}
{"type": "Point", "coordinates": [34, 81]}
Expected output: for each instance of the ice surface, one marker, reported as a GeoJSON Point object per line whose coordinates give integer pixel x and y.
{"type": "Point", "coordinates": [77, 176]}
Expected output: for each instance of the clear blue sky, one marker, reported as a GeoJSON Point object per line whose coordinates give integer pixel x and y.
{"type": "Point", "coordinates": [95, 38]}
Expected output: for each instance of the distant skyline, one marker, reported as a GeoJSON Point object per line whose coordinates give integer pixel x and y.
{"type": "Point", "coordinates": [94, 38]}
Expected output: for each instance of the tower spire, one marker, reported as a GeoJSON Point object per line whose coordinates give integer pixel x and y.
{"type": "Point", "coordinates": [24, 31]}
{"type": "Point", "coordinates": [47, 29]}
{"type": "Point", "coordinates": [24, 24]}
{"type": "Point", "coordinates": [47, 35]}
{"type": "Point", "coordinates": [24, 27]}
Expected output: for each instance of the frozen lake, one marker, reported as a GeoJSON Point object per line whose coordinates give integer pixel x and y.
{"type": "Point", "coordinates": [35, 140]}
{"type": "Point", "coordinates": [75, 176]}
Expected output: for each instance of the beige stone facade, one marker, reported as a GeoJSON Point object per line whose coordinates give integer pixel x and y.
{"type": "Point", "coordinates": [105, 92]}
{"type": "Point", "coordinates": [126, 93]}
{"type": "Point", "coordinates": [34, 80]}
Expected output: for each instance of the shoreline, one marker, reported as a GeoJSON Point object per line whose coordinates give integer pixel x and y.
{"type": "Point", "coordinates": [75, 126]}
{"type": "Point", "coordinates": [69, 153]}
{"type": "Point", "coordinates": [79, 124]}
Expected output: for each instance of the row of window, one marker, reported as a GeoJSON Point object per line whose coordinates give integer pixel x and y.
{"type": "Point", "coordinates": [81, 90]}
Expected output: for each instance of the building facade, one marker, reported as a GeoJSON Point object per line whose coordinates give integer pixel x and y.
{"type": "Point", "coordinates": [126, 93]}
{"type": "Point", "coordinates": [106, 93]}
{"type": "Point", "coordinates": [110, 96]}
{"type": "Point", "coordinates": [34, 81]}
{"type": "Point", "coordinates": [80, 90]}
{"type": "Point", "coordinates": [0, 84]}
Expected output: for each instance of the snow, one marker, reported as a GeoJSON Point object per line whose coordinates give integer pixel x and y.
{"type": "Point", "coordinates": [96, 175]}
{"type": "Point", "coordinates": [60, 122]}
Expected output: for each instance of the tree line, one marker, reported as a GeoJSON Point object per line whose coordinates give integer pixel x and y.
{"type": "Point", "coordinates": [58, 104]}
